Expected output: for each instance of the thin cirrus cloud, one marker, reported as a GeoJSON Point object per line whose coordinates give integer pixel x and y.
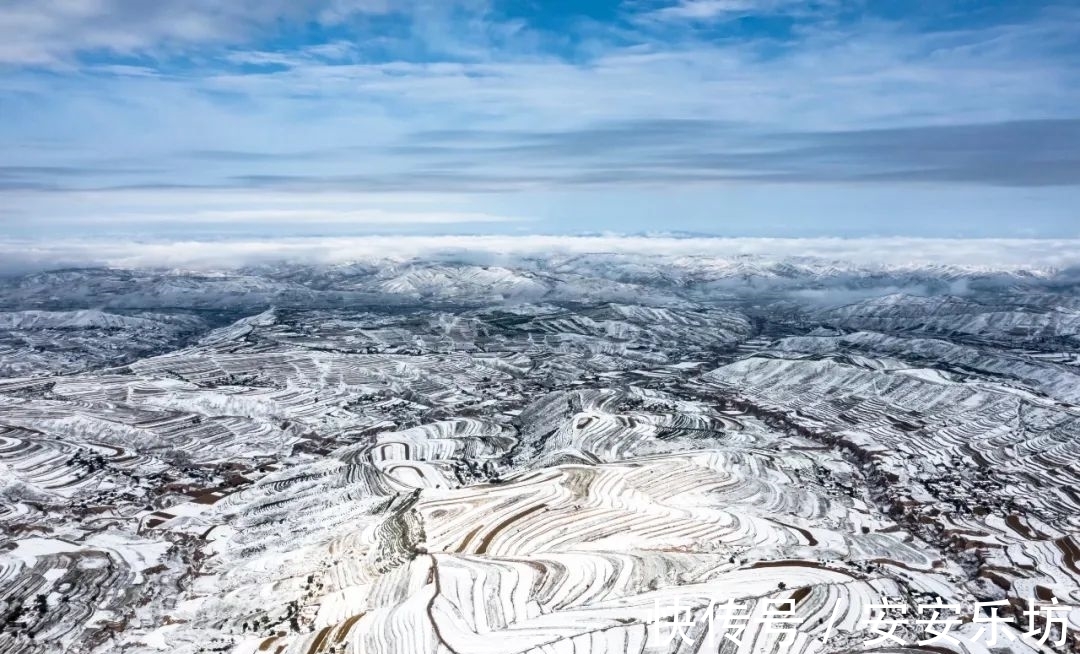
{"type": "Point", "coordinates": [490, 112]}
{"type": "Point", "coordinates": [712, 9]}
{"type": "Point", "coordinates": [151, 208]}
{"type": "Point", "coordinates": [1016, 153]}
{"type": "Point", "coordinates": [55, 33]}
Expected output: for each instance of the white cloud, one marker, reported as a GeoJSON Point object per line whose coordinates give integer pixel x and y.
{"type": "Point", "coordinates": [52, 32]}
{"type": "Point", "coordinates": [193, 207]}
{"type": "Point", "coordinates": [1038, 255]}
{"type": "Point", "coordinates": [707, 9]}
{"type": "Point", "coordinates": [334, 116]}
{"type": "Point", "coordinates": [310, 217]}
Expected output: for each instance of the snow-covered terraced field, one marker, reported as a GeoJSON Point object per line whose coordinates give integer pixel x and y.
{"type": "Point", "coordinates": [536, 459]}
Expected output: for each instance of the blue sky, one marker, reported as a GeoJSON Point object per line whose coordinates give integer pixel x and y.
{"type": "Point", "coordinates": [727, 117]}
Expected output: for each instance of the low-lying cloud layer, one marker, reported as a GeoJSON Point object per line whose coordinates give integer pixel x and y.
{"type": "Point", "coordinates": [1035, 255]}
